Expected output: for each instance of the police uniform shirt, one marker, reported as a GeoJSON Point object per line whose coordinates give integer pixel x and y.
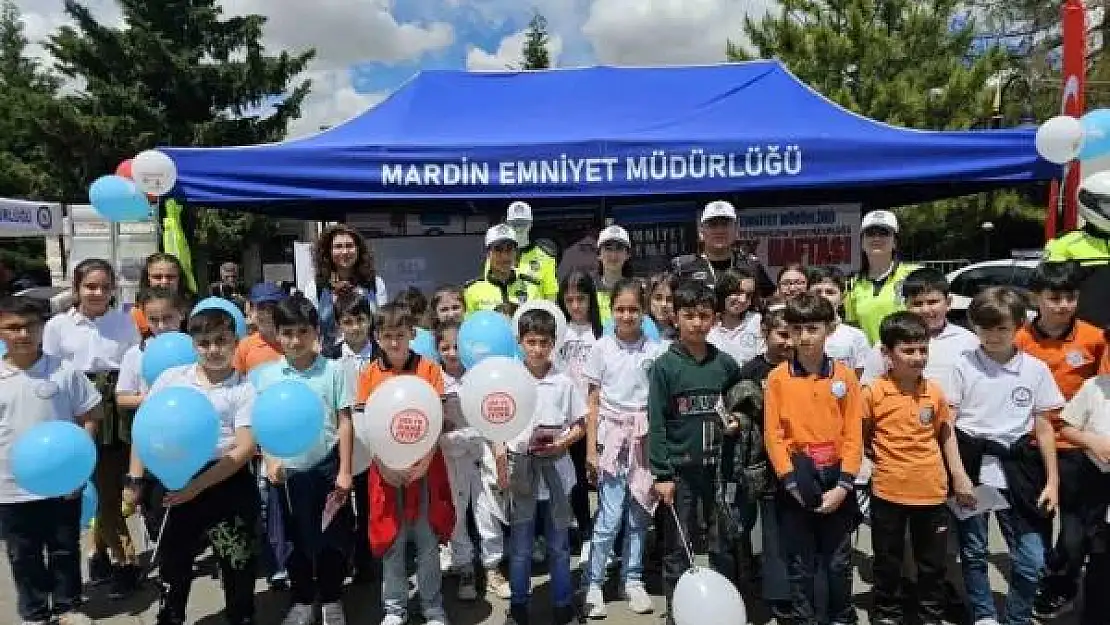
{"type": "Point", "coordinates": [699, 267]}
{"type": "Point", "coordinates": [1091, 249]}
{"type": "Point", "coordinates": [487, 294]}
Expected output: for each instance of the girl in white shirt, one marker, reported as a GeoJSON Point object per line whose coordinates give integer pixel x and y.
{"type": "Point", "coordinates": [738, 333]}
{"type": "Point", "coordinates": [845, 343]}
{"type": "Point", "coordinates": [616, 432]}
{"type": "Point", "coordinates": [578, 301]}
{"type": "Point", "coordinates": [472, 471]}
{"type": "Point", "coordinates": [93, 336]}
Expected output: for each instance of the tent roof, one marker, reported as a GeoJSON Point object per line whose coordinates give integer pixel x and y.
{"type": "Point", "coordinates": [734, 128]}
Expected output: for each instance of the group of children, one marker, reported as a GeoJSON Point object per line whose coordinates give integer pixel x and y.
{"type": "Point", "coordinates": [743, 410]}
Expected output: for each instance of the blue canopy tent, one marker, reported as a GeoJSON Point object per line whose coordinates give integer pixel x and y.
{"type": "Point", "coordinates": [750, 129]}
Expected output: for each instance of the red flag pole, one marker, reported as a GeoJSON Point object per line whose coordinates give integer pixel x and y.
{"type": "Point", "coordinates": [1074, 16]}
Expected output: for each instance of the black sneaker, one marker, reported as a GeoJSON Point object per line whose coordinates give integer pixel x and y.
{"type": "Point", "coordinates": [125, 582]}
{"type": "Point", "coordinates": [1049, 604]}
{"type": "Point", "coordinates": [100, 569]}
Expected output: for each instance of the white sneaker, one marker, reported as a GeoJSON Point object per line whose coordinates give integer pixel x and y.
{"type": "Point", "coordinates": [584, 557]}
{"type": "Point", "coordinates": [75, 618]}
{"type": "Point", "coordinates": [498, 585]}
{"type": "Point", "coordinates": [987, 621]}
{"type": "Point", "coordinates": [436, 617]}
{"type": "Point", "coordinates": [638, 599]}
{"type": "Point", "coordinates": [595, 603]}
{"type": "Point", "coordinates": [393, 619]}
{"type": "Point", "coordinates": [446, 564]}
{"type": "Point", "coordinates": [332, 614]}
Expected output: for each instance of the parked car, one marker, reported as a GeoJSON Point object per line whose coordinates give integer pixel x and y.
{"type": "Point", "coordinates": [965, 283]}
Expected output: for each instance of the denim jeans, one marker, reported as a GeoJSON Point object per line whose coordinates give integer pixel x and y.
{"type": "Point", "coordinates": [28, 529]}
{"type": "Point", "coordinates": [395, 580]}
{"type": "Point", "coordinates": [613, 496]}
{"type": "Point", "coordinates": [522, 535]}
{"type": "Point", "coordinates": [1026, 561]}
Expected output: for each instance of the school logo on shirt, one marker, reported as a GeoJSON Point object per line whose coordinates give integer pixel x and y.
{"type": "Point", "coordinates": [1075, 358]}
{"type": "Point", "coordinates": [46, 390]}
{"type": "Point", "coordinates": [839, 389]}
{"type": "Point", "coordinates": [926, 415]}
{"type": "Point", "coordinates": [409, 427]}
{"type": "Point", "coordinates": [1022, 397]}
{"type": "Point", "coordinates": [498, 408]}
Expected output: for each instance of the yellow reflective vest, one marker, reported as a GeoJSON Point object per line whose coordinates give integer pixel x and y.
{"type": "Point", "coordinates": [868, 302]}
{"type": "Point", "coordinates": [534, 261]}
{"type": "Point", "coordinates": [1079, 245]}
{"type": "Point", "coordinates": [487, 293]}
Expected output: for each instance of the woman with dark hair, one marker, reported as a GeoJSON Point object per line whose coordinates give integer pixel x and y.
{"type": "Point", "coordinates": [876, 291]}
{"type": "Point", "coordinates": [93, 337]}
{"type": "Point", "coordinates": [161, 270]}
{"type": "Point", "coordinates": [614, 256]}
{"type": "Point", "coordinates": [344, 265]}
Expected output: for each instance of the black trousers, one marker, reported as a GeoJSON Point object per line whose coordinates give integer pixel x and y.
{"type": "Point", "coordinates": [819, 542]}
{"type": "Point", "coordinates": [928, 527]}
{"type": "Point", "coordinates": [1064, 560]}
{"type": "Point", "coordinates": [225, 518]}
{"type": "Point", "coordinates": [363, 560]}
{"type": "Point", "coordinates": [580, 494]}
{"type": "Point", "coordinates": [694, 492]}
{"type": "Point", "coordinates": [1096, 582]}
{"type": "Point", "coordinates": [31, 528]}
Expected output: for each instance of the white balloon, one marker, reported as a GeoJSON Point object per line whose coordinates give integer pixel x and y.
{"type": "Point", "coordinates": [154, 172]}
{"type": "Point", "coordinates": [1060, 139]}
{"type": "Point", "coordinates": [498, 398]}
{"type": "Point", "coordinates": [402, 421]}
{"type": "Point", "coordinates": [546, 305]}
{"type": "Point", "coordinates": [703, 596]}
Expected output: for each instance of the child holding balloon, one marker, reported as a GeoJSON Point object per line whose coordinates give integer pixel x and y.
{"type": "Point", "coordinates": [408, 504]}
{"type": "Point", "coordinates": [315, 484]}
{"type": "Point", "coordinates": [219, 506]}
{"type": "Point", "coordinates": [540, 470]}
{"type": "Point", "coordinates": [473, 475]}
{"type": "Point", "coordinates": [616, 442]}
{"type": "Point", "coordinates": [36, 388]}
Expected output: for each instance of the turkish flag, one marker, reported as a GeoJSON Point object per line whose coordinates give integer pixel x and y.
{"type": "Point", "coordinates": [1074, 17]}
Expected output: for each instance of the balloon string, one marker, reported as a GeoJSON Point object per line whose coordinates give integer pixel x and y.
{"type": "Point", "coordinates": [161, 534]}
{"type": "Point", "coordinates": [682, 536]}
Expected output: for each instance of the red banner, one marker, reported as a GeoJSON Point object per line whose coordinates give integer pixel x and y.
{"type": "Point", "coordinates": [1074, 17]}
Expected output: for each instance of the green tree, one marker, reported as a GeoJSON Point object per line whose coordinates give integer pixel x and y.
{"type": "Point", "coordinates": [177, 73]}
{"type": "Point", "coordinates": [897, 61]}
{"type": "Point", "coordinates": [536, 39]}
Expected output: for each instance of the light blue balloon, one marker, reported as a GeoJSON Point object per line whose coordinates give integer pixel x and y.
{"type": "Point", "coordinates": [3, 348]}
{"type": "Point", "coordinates": [288, 419]}
{"type": "Point", "coordinates": [118, 199]}
{"type": "Point", "coordinates": [647, 326]}
{"type": "Point", "coordinates": [166, 351]}
{"type": "Point", "coordinates": [425, 344]}
{"type": "Point", "coordinates": [89, 502]}
{"type": "Point", "coordinates": [483, 334]}
{"type": "Point", "coordinates": [1096, 134]}
{"type": "Point", "coordinates": [219, 303]}
{"type": "Point", "coordinates": [175, 433]}
{"type": "Point", "coordinates": [53, 459]}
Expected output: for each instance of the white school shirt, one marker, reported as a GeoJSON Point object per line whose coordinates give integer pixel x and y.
{"type": "Point", "coordinates": [999, 401]}
{"type": "Point", "coordinates": [744, 342]}
{"type": "Point", "coordinates": [849, 345]}
{"type": "Point", "coordinates": [131, 372]}
{"type": "Point", "coordinates": [559, 403]}
{"type": "Point", "coordinates": [51, 390]}
{"type": "Point", "coordinates": [233, 399]}
{"type": "Point", "coordinates": [946, 350]}
{"type": "Point", "coordinates": [575, 351]}
{"type": "Point", "coordinates": [1089, 411]}
{"type": "Point", "coordinates": [620, 369]}
{"type": "Point", "coordinates": [91, 345]}
{"type": "Point", "coordinates": [354, 363]}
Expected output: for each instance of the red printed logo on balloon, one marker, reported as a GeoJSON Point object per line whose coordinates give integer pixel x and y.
{"type": "Point", "coordinates": [498, 408]}
{"type": "Point", "coordinates": [409, 426]}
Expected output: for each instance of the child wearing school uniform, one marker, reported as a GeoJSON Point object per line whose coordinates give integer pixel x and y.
{"type": "Point", "coordinates": [1072, 349]}
{"type": "Point", "coordinates": [354, 352]}
{"type": "Point", "coordinates": [738, 332]}
{"type": "Point", "coordinates": [814, 436]}
{"type": "Point", "coordinates": [36, 388]}
{"type": "Point", "coordinates": [616, 447]}
{"type": "Point", "coordinates": [472, 471]}
{"type": "Point", "coordinates": [1086, 424]}
{"type": "Point", "coordinates": [219, 506]}
{"type": "Point", "coordinates": [685, 387]}
{"type": "Point", "coordinates": [539, 469]}
{"type": "Point", "coordinates": [412, 504]}
{"type": "Point", "coordinates": [262, 345]}
{"type": "Point", "coordinates": [847, 344]}
{"type": "Point", "coordinates": [908, 434]}
{"type": "Point", "coordinates": [318, 479]}
{"type": "Point", "coordinates": [1004, 401]}
{"type": "Point", "coordinates": [93, 336]}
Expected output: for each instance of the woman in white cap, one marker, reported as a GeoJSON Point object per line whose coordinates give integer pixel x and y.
{"type": "Point", "coordinates": [717, 231]}
{"type": "Point", "coordinates": [614, 253]}
{"type": "Point", "coordinates": [876, 290]}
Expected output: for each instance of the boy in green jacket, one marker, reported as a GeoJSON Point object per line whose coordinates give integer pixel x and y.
{"type": "Point", "coordinates": [687, 424]}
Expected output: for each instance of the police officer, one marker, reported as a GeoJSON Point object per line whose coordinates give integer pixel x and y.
{"type": "Point", "coordinates": [501, 283]}
{"type": "Point", "coordinates": [534, 260]}
{"type": "Point", "coordinates": [1090, 247]}
{"type": "Point", "coordinates": [717, 230]}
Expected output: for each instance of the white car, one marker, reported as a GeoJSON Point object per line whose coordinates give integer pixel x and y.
{"type": "Point", "coordinates": [965, 283]}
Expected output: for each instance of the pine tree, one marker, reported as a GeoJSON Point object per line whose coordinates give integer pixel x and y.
{"type": "Point", "coordinates": [536, 54]}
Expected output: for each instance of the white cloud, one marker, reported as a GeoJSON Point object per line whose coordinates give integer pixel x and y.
{"type": "Point", "coordinates": [666, 32]}
{"type": "Point", "coordinates": [331, 102]}
{"type": "Point", "coordinates": [508, 54]}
